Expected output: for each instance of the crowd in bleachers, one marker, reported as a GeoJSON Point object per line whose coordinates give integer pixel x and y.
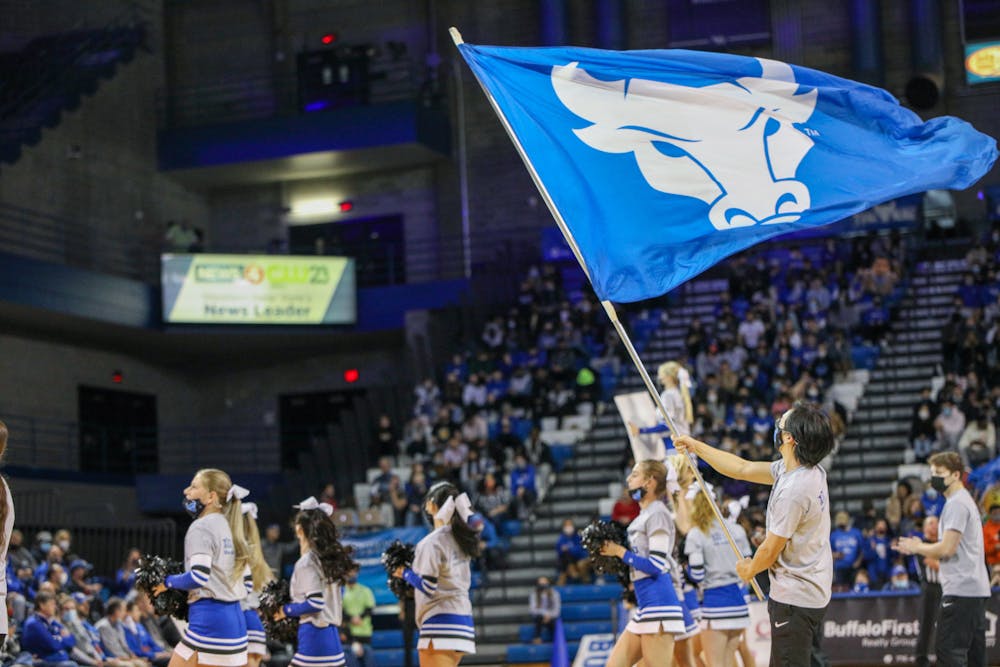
{"type": "Point", "coordinates": [63, 614]}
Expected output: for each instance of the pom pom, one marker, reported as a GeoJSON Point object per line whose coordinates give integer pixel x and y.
{"type": "Point", "coordinates": [153, 571]}
{"type": "Point", "coordinates": [275, 596]}
{"type": "Point", "coordinates": [593, 538]}
{"type": "Point", "coordinates": [398, 555]}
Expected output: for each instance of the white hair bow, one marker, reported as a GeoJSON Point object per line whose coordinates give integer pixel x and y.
{"type": "Point", "coordinates": [737, 506]}
{"type": "Point", "coordinates": [311, 503]}
{"type": "Point", "coordinates": [684, 378]}
{"type": "Point", "coordinates": [251, 509]}
{"type": "Point", "coordinates": [461, 503]}
{"type": "Point", "coordinates": [694, 489]}
{"type": "Point", "coordinates": [238, 492]}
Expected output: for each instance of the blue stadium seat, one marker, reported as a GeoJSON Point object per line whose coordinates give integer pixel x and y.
{"type": "Point", "coordinates": [511, 528]}
{"type": "Point", "coordinates": [393, 657]}
{"type": "Point", "coordinates": [387, 639]}
{"type": "Point", "coordinates": [590, 593]}
{"type": "Point", "coordinates": [574, 631]}
{"type": "Point", "coordinates": [586, 611]}
{"type": "Point", "coordinates": [561, 454]}
{"type": "Point", "coordinates": [521, 653]}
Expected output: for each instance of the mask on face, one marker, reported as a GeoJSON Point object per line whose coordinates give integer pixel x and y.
{"type": "Point", "coordinates": [637, 494]}
{"type": "Point", "coordinates": [901, 583]}
{"type": "Point", "coordinates": [194, 508]}
{"type": "Point", "coordinates": [568, 530]}
{"type": "Point", "coordinates": [938, 483]}
{"type": "Point", "coordinates": [777, 439]}
{"type": "Point", "coordinates": [352, 580]}
{"type": "Point", "coordinates": [70, 616]}
{"type": "Point", "coordinates": [63, 578]}
{"type": "Point", "coordinates": [45, 547]}
{"type": "Point", "coordinates": [64, 545]}
{"type": "Point", "coordinates": [924, 414]}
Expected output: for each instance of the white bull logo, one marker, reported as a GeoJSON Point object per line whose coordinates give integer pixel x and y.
{"type": "Point", "coordinates": [731, 145]}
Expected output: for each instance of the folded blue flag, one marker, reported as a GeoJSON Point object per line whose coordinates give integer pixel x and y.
{"type": "Point", "coordinates": [663, 163]}
{"type": "Point", "coordinates": [560, 651]}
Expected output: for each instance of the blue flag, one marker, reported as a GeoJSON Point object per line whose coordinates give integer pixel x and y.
{"type": "Point", "coordinates": [560, 652]}
{"type": "Point", "coordinates": [662, 163]}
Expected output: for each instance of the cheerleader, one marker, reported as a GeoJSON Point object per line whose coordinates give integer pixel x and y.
{"type": "Point", "coordinates": [712, 564]}
{"type": "Point", "coordinates": [315, 588]}
{"type": "Point", "coordinates": [660, 616]}
{"type": "Point", "coordinates": [255, 577]}
{"type": "Point", "coordinates": [441, 578]}
{"type": "Point", "coordinates": [7, 526]}
{"type": "Point", "coordinates": [215, 556]}
{"type": "Point", "coordinates": [676, 398]}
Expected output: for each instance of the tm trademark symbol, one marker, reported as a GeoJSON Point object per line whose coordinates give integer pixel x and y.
{"type": "Point", "coordinates": [811, 132]}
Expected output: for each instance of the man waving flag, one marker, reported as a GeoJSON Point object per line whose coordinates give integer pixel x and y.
{"type": "Point", "coordinates": [662, 163]}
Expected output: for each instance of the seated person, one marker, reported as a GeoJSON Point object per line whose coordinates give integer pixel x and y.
{"type": "Point", "coordinates": [45, 637]}
{"type": "Point", "coordinates": [138, 638]}
{"type": "Point", "coordinates": [573, 560]}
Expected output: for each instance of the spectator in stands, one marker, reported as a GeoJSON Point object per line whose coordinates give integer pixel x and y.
{"type": "Point", "coordinates": [932, 501]}
{"type": "Point", "coordinates": [523, 485]}
{"type": "Point", "coordinates": [894, 504]}
{"type": "Point", "coordinates": [991, 536]}
{"type": "Point", "coordinates": [161, 628]}
{"type": "Point", "coordinates": [545, 606]}
{"type": "Point", "coordinates": [140, 642]}
{"type": "Point", "coordinates": [493, 501]}
{"type": "Point", "coordinates": [416, 489]}
{"type": "Point", "coordinates": [398, 503]}
{"type": "Point", "coordinates": [848, 553]}
{"type": "Point", "coordinates": [87, 649]}
{"type": "Point", "coordinates": [899, 581]}
{"type": "Point", "coordinates": [879, 554]}
{"type": "Point", "coordinates": [626, 508]}
{"type": "Point", "coordinates": [861, 582]}
{"type": "Point", "coordinates": [57, 576]}
{"type": "Point", "coordinates": [382, 482]}
{"type": "Point", "coordinates": [54, 555]}
{"type": "Point", "coordinates": [386, 439]}
{"type": "Point", "coordinates": [78, 571]}
{"type": "Point", "coordinates": [417, 436]}
{"type": "Point", "coordinates": [64, 540]}
{"type": "Point", "coordinates": [43, 543]}
{"type": "Point", "coordinates": [923, 431]}
{"type": "Point", "coordinates": [491, 547]}
{"type": "Point", "coordinates": [950, 425]}
{"type": "Point", "coordinates": [45, 637]}
{"type": "Point", "coordinates": [275, 551]}
{"type": "Point", "coordinates": [112, 632]}
{"type": "Point", "coordinates": [359, 604]}
{"type": "Point", "coordinates": [329, 495]}
{"type": "Point", "coordinates": [978, 442]}
{"type": "Point", "coordinates": [455, 455]}
{"type": "Point", "coordinates": [18, 555]}
{"type": "Point", "coordinates": [125, 576]}
{"type": "Point", "coordinates": [428, 399]}
{"type": "Point", "coordinates": [572, 559]}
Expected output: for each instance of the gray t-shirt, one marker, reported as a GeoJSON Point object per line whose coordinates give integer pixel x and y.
{"type": "Point", "coordinates": [209, 539]}
{"type": "Point", "coordinates": [712, 550]}
{"type": "Point", "coordinates": [964, 574]}
{"type": "Point", "coordinates": [308, 582]}
{"type": "Point", "coordinates": [798, 509]}
{"type": "Point", "coordinates": [439, 557]}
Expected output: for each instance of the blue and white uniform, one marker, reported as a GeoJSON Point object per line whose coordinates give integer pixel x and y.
{"type": "Point", "coordinates": [712, 563]}
{"type": "Point", "coordinates": [7, 528]}
{"type": "Point", "coordinates": [217, 629]}
{"type": "Point", "coordinates": [256, 636]}
{"type": "Point", "coordinates": [441, 578]}
{"type": "Point", "coordinates": [651, 537]}
{"type": "Point", "coordinates": [320, 609]}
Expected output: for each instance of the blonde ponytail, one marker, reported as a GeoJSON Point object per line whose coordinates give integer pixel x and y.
{"type": "Point", "coordinates": [259, 568]}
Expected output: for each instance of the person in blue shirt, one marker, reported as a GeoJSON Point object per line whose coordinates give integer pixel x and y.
{"type": "Point", "coordinates": [847, 543]}
{"type": "Point", "coordinates": [125, 577]}
{"type": "Point", "coordinates": [522, 484]}
{"type": "Point", "coordinates": [900, 581]}
{"type": "Point", "coordinates": [861, 584]}
{"type": "Point", "coordinates": [879, 554]}
{"type": "Point", "coordinates": [45, 637]}
{"type": "Point", "coordinates": [572, 557]}
{"type": "Point", "coordinates": [140, 642]}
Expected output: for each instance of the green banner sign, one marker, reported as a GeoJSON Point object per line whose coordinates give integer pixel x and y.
{"type": "Point", "coordinates": [258, 289]}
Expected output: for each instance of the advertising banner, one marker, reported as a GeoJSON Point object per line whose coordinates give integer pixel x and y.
{"type": "Point", "coordinates": [982, 62]}
{"type": "Point", "coordinates": [258, 289]}
{"type": "Point", "coordinates": [594, 650]}
{"type": "Point", "coordinates": [637, 408]}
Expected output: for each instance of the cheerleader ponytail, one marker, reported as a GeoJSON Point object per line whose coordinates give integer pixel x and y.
{"type": "Point", "coordinates": [333, 557]}
{"type": "Point", "coordinates": [455, 510]}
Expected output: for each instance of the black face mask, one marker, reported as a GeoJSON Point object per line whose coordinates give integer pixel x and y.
{"type": "Point", "coordinates": [938, 483]}
{"type": "Point", "coordinates": [194, 508]}
{"type": "Point", "coordinates": [637, 494]}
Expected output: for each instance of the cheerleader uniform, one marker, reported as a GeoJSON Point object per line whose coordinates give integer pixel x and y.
{"type": "Point", "coordinates": [318, 605]}
{"type": "Point", "coordinates": [8, 527]}
{"type": "Point", "coordinates": [441, 579]}
{"type": "Point", "coordinates": [712, 563]}
{"type": "Point", "coordinates": [217, 628]}
{"type": "Point", "coordinates": [649, 534]}
{"type": "Point", "coordinates": [691, 626]}
{"type": "Point", "coordinates": [256, 637]}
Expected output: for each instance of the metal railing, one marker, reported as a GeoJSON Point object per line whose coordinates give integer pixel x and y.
{"type": "Point", "coordinates": [105, 546]}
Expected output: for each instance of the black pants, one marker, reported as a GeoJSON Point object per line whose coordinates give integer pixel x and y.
{"type": "Point", "coordinates": [961, 632]}
{"type": "Point", "coordinates": [930, 606]}
{"type": "Point", "coordinates": [796, 633]}
{"type": "Point", "coordinates": [540, 623]}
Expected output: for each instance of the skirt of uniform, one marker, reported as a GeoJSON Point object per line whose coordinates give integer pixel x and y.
{"type": "Point", "coordinates": [658, 608]}
{"type": "Point", "coordinates": [692, 603]}
{"type": "Point", "coordinates": [691, 627]}
{"type": "Point", "coordinates": [318, 647]}
{"type": "Point", "coordinates": [216, 632]}
{"type": "Point", "coordinates": [724, 608]}
{"type": "Point", "coordinates": [256, 637]}
{"type": "Point", "coordinates": [448, 632]}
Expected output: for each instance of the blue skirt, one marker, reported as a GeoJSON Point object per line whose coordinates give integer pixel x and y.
{"type": "Point", "coordinates": [658, 607]}
{"type": "Point", "coordinates": [318, 647]}
{"type": "Point", "coordinates": [725, 608]}
{"type": "Point", "coordinates": [256, 637]}
{"type": "Point", "coordinates": [217, 632]}
{"type": "Point", "coordinates": [452, 632]}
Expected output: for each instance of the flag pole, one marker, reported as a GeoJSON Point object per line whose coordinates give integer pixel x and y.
{"type": "Point", "coordinates": [608, 308]}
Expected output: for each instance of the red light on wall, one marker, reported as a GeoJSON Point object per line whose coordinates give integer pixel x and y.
{"type": "Point", "coordinates": [329, 38]}
{"type": "Point", "coordinates": [351, 375]}
{"type": "Point", "coordinates": [346, 206]}
{"type": "Point", "coordinates": [117, 377]}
